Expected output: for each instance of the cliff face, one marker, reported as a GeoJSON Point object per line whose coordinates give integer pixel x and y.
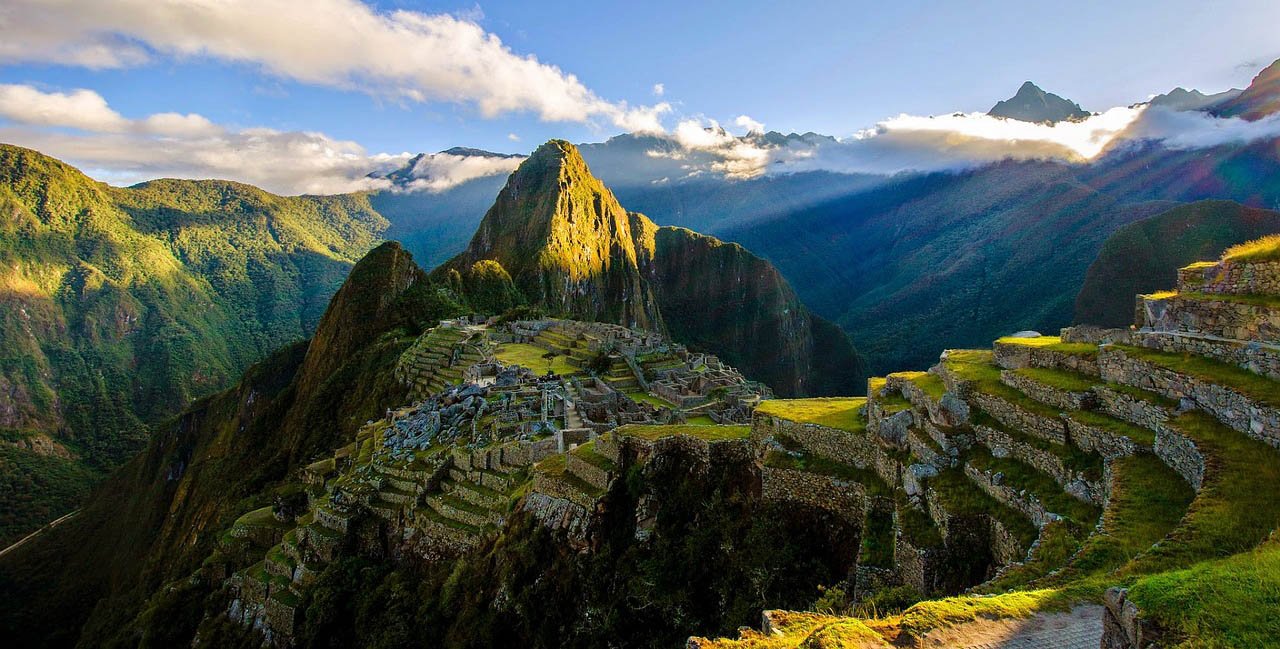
{"type": "Point", "coordinates": [572, 250]}
{"type": "Point", "coordinates": [718, 296]}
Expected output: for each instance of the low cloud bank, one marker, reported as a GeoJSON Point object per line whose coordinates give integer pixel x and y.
{"type": "Point", "coordinates": [947, 142]}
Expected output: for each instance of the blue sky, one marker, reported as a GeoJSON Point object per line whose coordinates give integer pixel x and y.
{"type": "Point", "coordinates": [830, 67]}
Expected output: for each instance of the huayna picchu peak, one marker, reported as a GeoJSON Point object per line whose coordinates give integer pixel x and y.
{"type": "Point", "coordinates": [565, 245]}
{"type": "Point", "coordinates": [1031, 104]}
{"type": "Point", "coordinates": [642, 356]}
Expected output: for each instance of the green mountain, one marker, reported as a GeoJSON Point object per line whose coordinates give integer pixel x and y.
{"type": "Point", "coordinates": [157, 517]}
{"type": "Point", "coordinates": [118, 307]}
{"type": "Point", "coordinates": [1144, 257]}
{"type": "Point", "coordinates": [571, 249]}
{"type": "Point", "coordinates": [1031, 104]}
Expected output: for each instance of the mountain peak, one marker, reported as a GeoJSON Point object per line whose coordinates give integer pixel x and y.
{"type": "Point", "coordinates": [1032, 104]}
{"type": "Point", "coordinates": [566, 241]}
{"type": "Point", "coordinates": [1260, 99]}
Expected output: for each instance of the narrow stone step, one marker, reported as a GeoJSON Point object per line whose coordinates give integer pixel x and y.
{"type": "Point", "coordinates": [463, 511]}
{"type": "Point", "coordinates": [473, 493]}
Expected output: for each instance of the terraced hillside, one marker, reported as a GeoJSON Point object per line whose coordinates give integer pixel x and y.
{"type": "Point", "coordinates": [1136, 469]}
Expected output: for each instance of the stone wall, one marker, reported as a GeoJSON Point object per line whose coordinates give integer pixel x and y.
{"type": "Point", "coordinates": [1122, 623]}
{"type": "Point", "coordinates": [842, 497]}
{"type": "Point", "coordinates": [942, 412]}
{"type": "Point", "coordinates": [1012, 356]}
{"type": "Point", "coordinates": [1259, 358]}
{"type": "Point", "coordinates": [554, 487]}
{"type": "Point", "coordinates": [560, 514]}
{"type": "Point", "coordinates": [1224, 318]}
{"type": "Point", "coordinates": [1181, 454]}
{"type": "Point", "coordinates": [590, 473]}
{"type": "Point", "coordinates": [1027, 505]}
{"type": "Point", "coordinates": [1015, 417]}
{"type": "Point", "coordinates": [919, 568]}
{"type": "Point", "coordinates": [1135, 410]}
{"type": "Point", "coordinates": [831, 443]}
{"type": "Point", "coordinates": [1231, 277]}
{"type": "Point", "coordinates": [1002, 445]}
{"type": "Point", "coordinates": [1046, 393]}
{"type": "Point", "coordinates": [1259, 421]}
{"type": "Point", "coordinates": [1100, 440]}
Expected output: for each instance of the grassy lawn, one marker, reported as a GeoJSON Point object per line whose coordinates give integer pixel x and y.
{"type": "Point", "coordinates": [700, 420]}
{"type": "Point", "coordinates": [928, 383]}
{"type": "Point", "coordinates": [1052, 343]}
{"type": "Point", "coordinates": [708, 433]}
{"type": "Point", "coordinates": [1060, 379]}
{"type": "Point", "coordinates": [978, 367]}
{"type": "Point", "coordinates": [1256, 387]}
{"type": "Point", "coordinates": [839, 413]}
{"type": "Point", "coordinates": [1262, 249]}
{"type": "Point", "coordinates": [531, 356]}
{"type": "Point", "coordinates": [1225, 603]}
{"type": "Point", "coordinates": [644, 397]}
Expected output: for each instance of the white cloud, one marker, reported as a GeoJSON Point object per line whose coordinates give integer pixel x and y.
{"type": "Point", "coordinates": [659, 89]}
{"type": "Point", "coordinates": [83, 109]}
{"type": "Point", "coordinates": [902, 143]}
{"type": "Point", "coordinates": [751, 125]}
{"type": "Point", "coordinates": [81, 127]}
{"type": "Point", "coordinates": [513, 137]}
{"type": "Point", "coordinates": [403, 55]}
{"type": "Point", "coordinates": [1197, 130]}
{"type": "Point", "coordinates": [441, 171]}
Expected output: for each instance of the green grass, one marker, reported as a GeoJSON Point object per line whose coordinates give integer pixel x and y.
{"type": "Point", "coordinates": [961, 497]}
{"type": "Point", "coordinates": [1237, 505]}
{"type": "Point", "coordinates": [1226, 603]}
{"type": "Point", "coordinates": [700, 420]}
{"type": "Point", "coordinates": [839, 413]}
{"type": "Point", "coordinates": [930, 384]}
{"type": "Point", "coordinates": [532, 357]}
{"type": "Point", "coordinates": [927, 616]}
{"type": "Point", "coordinates": [708, 433]}
{"type": "Point", "coordinates": [817, 464]}
{"type": "Point", "coordinates": [1052, 343]}
{"type": "Point", "coordinates": [1256, 387]}
{"type": "Point", "coordinates": [1059, 540]}
{"type": "Point", "coordinates": [1148, 499]}
{"type": "Point", "coordinates": [1060, 379]}
{"type": "Point", "coordinates": [979, 368]}
{"type": "Point", "coordinates": [645, 397]}
{"type": "Point", "coordinates": [917, 527]}
{"type": "Point", "coordinates": [588, 454]}
{"type": "Point", "coordinates": [1073, 457]}
{"type": "Point", "coordinates": [877, 539]}
{"type": "Point", "coordinates": [1021, 476]}
{"type": "Point", "coordinates": [261, 517]}
{"type": "Point", "coordinates": [1261, 249]}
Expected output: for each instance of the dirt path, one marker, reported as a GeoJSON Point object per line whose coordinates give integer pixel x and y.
{"type": "Point", "coordinates": [1079, 629]}
{"type": "Point", "coordinates": [36, 533]}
